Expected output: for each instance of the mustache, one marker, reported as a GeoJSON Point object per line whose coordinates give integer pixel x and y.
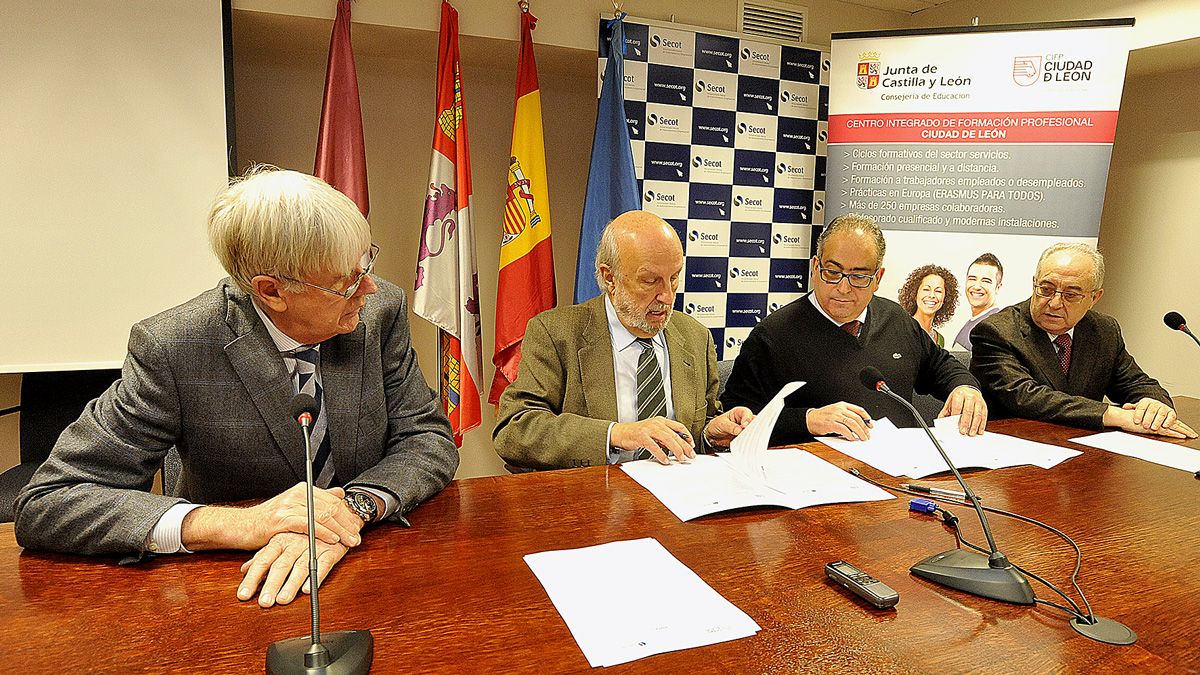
{"type": "Point", "coordinates": [658, 307]}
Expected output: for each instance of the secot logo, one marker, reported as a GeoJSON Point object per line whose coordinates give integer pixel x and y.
{"type": "Point", "coordinates": [825, 65]}
{"type": "Point", "coordinates": [735, 272]}
{"type": "Point", "coordinates": [732, 341]}
{"type": "Point", "coordinates": [649, 195]}
{"type": "Point", "coordinates": [781, 238]}
{"type": "Point", "coordinates": [774, 306]}
{"type": "Point", "coordinates": [822, 135]}
{"type": "Point", "coordinates": [818, 204]}
{"type": "Point", "coordinates": [739, 200]}
{"type": "Point", "coordinates": [655, 40]}
{"type": "Point", "coordinates": [693, 308]}
{"type": "Point", "coordinates": [749, 54]}
{"type": "Point", "coordinates": [654, 119]}
{"type": "Point", "coordinates": [784, 168]}
{"type": "Point", "coordinates": [697, 161]}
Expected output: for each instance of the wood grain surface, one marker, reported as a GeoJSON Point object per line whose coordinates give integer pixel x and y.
{"type": "Point", "coordinates": [452, 594]}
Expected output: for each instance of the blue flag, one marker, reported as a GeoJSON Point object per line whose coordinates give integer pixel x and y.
{"type": "Point", "coordinates": [612, 185]}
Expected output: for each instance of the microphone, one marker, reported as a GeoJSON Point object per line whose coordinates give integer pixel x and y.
{"type": "Point", "coordinates": [347, 651]}
{"type": "Point", "coordinates": [303, 409]}
{"type": "Point", "coordinates": [1175, 321]}
{"type": "Point", "coordinates": [962, 569]}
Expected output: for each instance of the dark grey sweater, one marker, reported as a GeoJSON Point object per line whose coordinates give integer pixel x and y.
{"type": "Point", "coordinates": [797, 343]}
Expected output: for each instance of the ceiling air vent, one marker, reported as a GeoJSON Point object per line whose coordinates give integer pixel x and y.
{"type": "Point", "coordinates": [772, 19]}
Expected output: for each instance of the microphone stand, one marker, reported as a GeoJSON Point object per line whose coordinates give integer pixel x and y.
{"type": "Point", "coordinates": [348, 651]}
{"type": "Point", "coordinates": [991, 576]}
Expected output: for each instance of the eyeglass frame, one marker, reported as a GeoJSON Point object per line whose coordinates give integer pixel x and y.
{"type": "Point", "coordinates": [1037, 290]}
{"type": "Point", "coordinates": [372, 255]}
{"type": "Point", "coordinates": [848, 276]}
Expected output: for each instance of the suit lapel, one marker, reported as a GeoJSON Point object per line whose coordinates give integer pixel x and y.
{"type": "Point", "coordinates": [1043, 355]}
{"type": "Point", "coordinates": [341, 380]}
{"type": "Point", "coordinates": [596, 364]}
{"type": "Point", "coordinates": [683, 374]}
{"type": "Point", "coordinates": [1082, 361]}
{"type": "Point", "coordinates": [256, 360]}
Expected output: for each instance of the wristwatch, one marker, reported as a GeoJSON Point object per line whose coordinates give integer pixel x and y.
{"type": "Point", "coordinates": [362, 504]}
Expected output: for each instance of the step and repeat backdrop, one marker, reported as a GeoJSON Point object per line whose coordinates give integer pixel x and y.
{"type": "Point", "coordinates": [728, 138]}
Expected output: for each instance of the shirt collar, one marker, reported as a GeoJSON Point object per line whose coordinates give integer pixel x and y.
{"type": "Point", "coordinates": [621, 337]}
{"type": "Point", "coordinates": [812, 296]}
{"type": "Point", "coordinates": [1071, 332]}
{"type": "Point", "coordinates": [282, 342]}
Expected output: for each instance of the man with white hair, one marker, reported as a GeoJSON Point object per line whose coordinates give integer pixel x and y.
{"type": "Point", "coordinates": [214, 378]}
{"type": "Point", "coordinates": [1054, 358]}
{"type": "Point", "coordinates": [618, 377]}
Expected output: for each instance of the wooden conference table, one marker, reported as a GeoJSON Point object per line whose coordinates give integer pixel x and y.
{"type": "Point", "coordinates": [453, 594]}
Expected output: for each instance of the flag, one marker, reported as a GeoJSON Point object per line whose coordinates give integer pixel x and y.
{"type": "Point", "coordinates": [526, 283]}
{"type": "Point", "coordinates": [612, 186]}
{"type": "Point", "coordinates": [447, 288]}
{"type": "Point", "coordinates": [341, 151]}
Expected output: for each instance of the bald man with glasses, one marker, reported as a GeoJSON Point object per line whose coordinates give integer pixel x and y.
{"type": "Point", "coordinates": [828, 336]}
{"type": "Point", "coordinates": [1054, 358]}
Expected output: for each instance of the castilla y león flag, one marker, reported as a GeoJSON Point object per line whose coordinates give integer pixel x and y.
{"type": "Point", "coordinates": [447, 288]}
{"type": "Point", "coordinates": [526, 283]}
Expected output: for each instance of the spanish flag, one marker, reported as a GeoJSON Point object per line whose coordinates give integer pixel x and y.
{"type": "Point", "coordinates": [526, 283]}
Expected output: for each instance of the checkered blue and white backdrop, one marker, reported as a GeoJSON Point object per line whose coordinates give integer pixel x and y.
{"type": "Point", "coordinates": [728, 139]}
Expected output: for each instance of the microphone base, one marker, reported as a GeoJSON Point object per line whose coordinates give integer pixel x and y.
{"type": "Point", "coordinates": [350, 651]}
{"type": "Point", "coordinates": [1105, 630]}
{"type": "Point", "coordinates": [969, 572]}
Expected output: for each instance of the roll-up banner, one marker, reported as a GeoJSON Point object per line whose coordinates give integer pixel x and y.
{"type": "Point", "coordinates": [728, 139]}
{"type": "Point", "coordinates": [965, 142]}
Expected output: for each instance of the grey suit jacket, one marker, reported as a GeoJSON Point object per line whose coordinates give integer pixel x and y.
{"type": "Point", "coordinates": [556, 414]}
{"type": "Point", "coordinates": [206, 378]}
{"type": "Point", "coordinates": [1017, 366]}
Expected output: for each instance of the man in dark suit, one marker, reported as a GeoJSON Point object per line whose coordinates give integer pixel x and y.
{"type": "Point", "coordinates": [1054, 358]}
{"type": "Point", "coordinates": [214, 378]}
{"type": "Point", "coordinates": [620, 376]}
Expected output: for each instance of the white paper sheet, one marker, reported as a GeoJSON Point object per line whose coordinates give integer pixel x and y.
{"type": "Point", "coordinates": [908, 452]}
{"type": "Point", "coordinates": [709, 484]}
{"type": "Point", "coordinates": [1149, 449]}
{"type": "Point", "coordinates": [640, 613]}
{"type": "Point", "coordinates": [750, 475]}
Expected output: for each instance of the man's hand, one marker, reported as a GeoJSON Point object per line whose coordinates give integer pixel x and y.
{"type": "Point", "coordinates": [658, 435]}
{"type": "Point", "coordinates": [722, 429]}
{"type": "Point", "coordinates": [281, 569]}
{"type": "Point", "coordinates": [841, 419]}
{"type": "Point", "coordinates": [251, 528]}
{"type": "Point", "coordinates": [1126, 418]}
{"type": "Point", "coordinates": [966, 400]}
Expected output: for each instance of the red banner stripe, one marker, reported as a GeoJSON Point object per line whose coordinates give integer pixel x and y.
{"type": "Point", "coordinates": [1057, 126]}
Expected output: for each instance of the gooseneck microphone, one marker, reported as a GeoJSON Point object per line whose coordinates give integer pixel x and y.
{"type": "Point", "coordinates": [347, 651]}
{"type": "Point", "coordinates": [1175, 321]}
{"type": "Point", "coordinates": [962, 569]}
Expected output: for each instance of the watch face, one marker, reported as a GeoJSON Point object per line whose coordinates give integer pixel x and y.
{"type": "Point", "coordinates": [362, 504]}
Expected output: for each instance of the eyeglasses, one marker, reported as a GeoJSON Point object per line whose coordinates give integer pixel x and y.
{"type": "Point", "coordinates": [834, 277]}
{"type": "Point", "coordinates": [1049, 291]}
{"type": "Point", "coordinates": [366, 264]}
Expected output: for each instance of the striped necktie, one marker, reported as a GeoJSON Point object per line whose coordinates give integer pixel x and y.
{"type": "Point", "coordinates": [651, 398]}
{"type": "Point", "coordinates": [308, 381]}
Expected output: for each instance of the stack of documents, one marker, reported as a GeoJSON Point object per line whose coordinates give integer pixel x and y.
{"type": "Point", "coordinates": [908, 452]}
{"type": "Point", "coordinates": [751, 476]}
{"type": "Point", "coordinates": [1159, 452]}
{"type": "Point", "coordinates": [626, 600]}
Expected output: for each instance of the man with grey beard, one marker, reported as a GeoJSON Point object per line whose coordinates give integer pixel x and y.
{"type": "Point", "coordinates": [618, 377]}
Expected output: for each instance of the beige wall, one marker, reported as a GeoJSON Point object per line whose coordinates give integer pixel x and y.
{"type": "Point", "coordinates": [1148, 231]}
{"type": "Point", "coordinates": [10, 395]}
{"type": "Point", "coordinates": [1158, 21]}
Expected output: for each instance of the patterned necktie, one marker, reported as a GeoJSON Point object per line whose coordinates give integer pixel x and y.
{"type": "Point", "coordinates": [852, 327]}
{"type": "Point", "coordinates": [308, 381]}
{"type": "Point", "coordinates": [651, 398]}
{"type": "Point", "coordinates": [1064, 352]}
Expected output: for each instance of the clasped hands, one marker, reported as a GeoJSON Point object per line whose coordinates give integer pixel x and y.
{"type": "Point", "coordinates": [278, 529]}
{"type": "Point", "coordinates": [853, 423]}
{"type": "Point", "coordinates": [663, 437]}
{"type": "Point", "coordinates": [1148, 416]}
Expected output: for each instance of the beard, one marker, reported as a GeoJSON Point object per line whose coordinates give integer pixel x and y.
{"type": "Point", "coordinates": [632, 315]}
